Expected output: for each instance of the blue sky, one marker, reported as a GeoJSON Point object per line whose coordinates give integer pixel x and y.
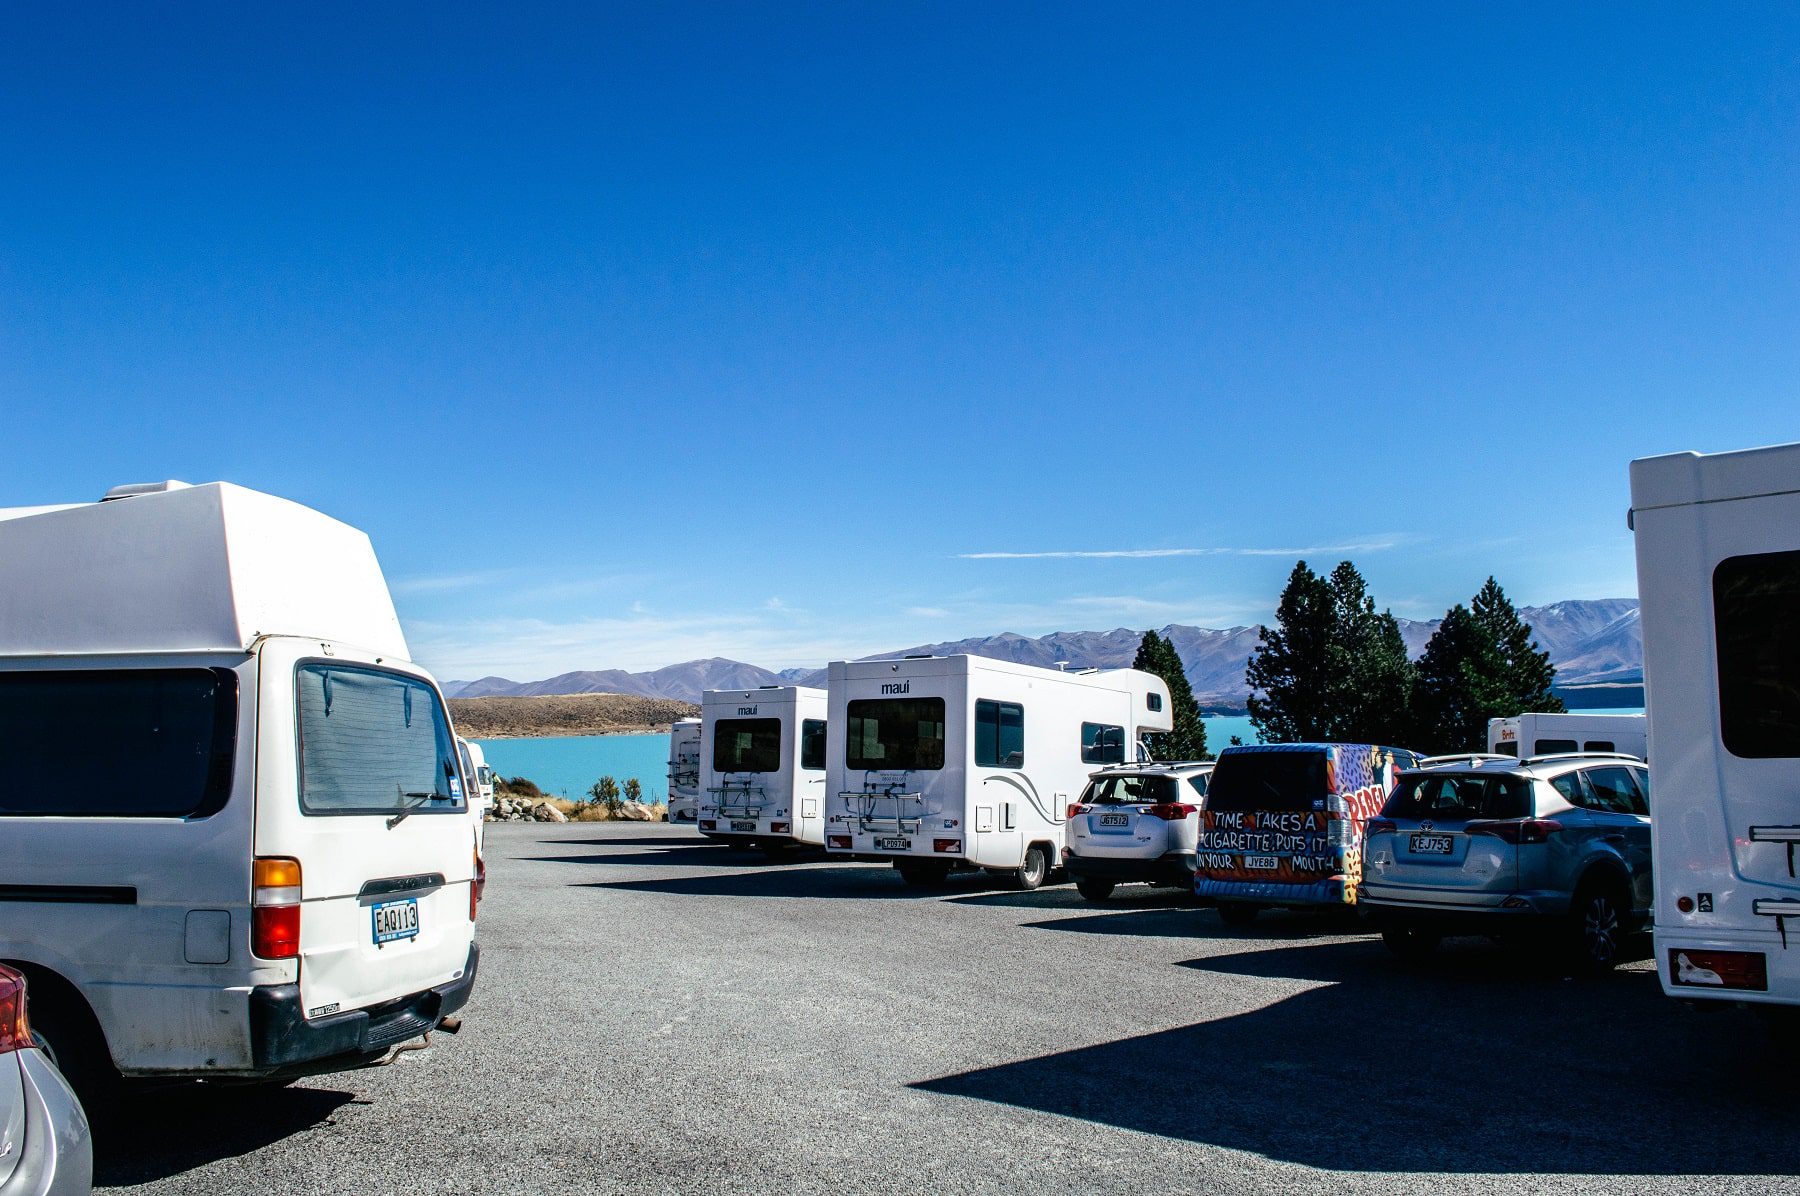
{"type": "Point", "coordinates": [639, 334]}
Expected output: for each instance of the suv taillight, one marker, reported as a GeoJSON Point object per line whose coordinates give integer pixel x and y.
{"type": "Point", "coordinates": [1380, 826]}
{"type": "Point", "coordinates": [1076, 809]}
{"type": "Point", "coordinates": [1173, 811]}
{"type": "Point", "coordinates": [478, 885]}
{"type": "Point", "coordinates": [275, 907]}
{"type": "Point", "coordinates": [1517, 830]}
{"type": "Point", "coordinates": [15, 1033]}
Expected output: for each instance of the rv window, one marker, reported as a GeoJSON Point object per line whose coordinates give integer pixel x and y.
{"type": "Point", "coordinates": [124, 743]}
{"type": "Point", "coordinates": [747, 745]}
{"type": "Point", "coordinates": [812, 744]}
{"type": "Point", "coordinates": [1153, 702]}
{"type": "Point", "coordinates": [999, 734]}
{"type": "Point", "coordinates": [895, 733]}
{"type": "Point", "coordinates": [1758, 637]}
{"type": "Point", "coordinates": [1509, 748]}
{"type": "Point", "coordinates": [1102, 744]}
{"type": "Point", "coordinates": [1279, 780]}
{"type": "Point", "coordinates": [1598, 745]}
{"type": "Point", "coordinates": [373, 742]}
{"type": "Point", "coordinates": [1551, 747]}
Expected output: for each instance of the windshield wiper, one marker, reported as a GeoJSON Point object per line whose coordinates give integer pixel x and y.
{"type": "Point", "coordinates": [409, 803]}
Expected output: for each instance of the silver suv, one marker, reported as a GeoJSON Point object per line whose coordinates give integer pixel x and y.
{"type": "Point", "coordinates": [1490, 845]}
{"type": "Point", "coordinates": [1136, 822]}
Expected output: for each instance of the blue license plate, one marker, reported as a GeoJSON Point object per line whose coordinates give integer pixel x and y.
{"type": "Point", "coordinates": [394, 920]}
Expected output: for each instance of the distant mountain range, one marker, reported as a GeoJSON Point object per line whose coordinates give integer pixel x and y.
{"type": "Point", "coordinates": [1593, 643]}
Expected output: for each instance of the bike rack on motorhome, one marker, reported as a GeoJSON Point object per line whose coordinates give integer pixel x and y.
{"type": "Point", "coordinates": [684, 770]}
{"type": "Point", "coordinates": [1718, 560]}
{"type": "Point", "coordinates": [762, 766]}
{"type": "Point", "coordinates": [945, 760]}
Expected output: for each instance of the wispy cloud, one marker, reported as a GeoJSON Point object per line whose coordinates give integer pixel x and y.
{"type": "Point", "coordinates": [1148, 553]}
{"type": "Point", "coordinates": [926, 612]}
{"type": "Point", "coordinates": [446, 583]}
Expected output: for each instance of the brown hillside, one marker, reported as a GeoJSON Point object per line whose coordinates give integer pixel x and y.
{"type": "Point", "coordinates": [568, 714]}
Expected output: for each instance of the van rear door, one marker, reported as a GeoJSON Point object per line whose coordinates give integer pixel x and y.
{"type": "Point", "coordinates": [376, 812]}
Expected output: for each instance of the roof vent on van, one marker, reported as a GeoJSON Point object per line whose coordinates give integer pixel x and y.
{"type": "Point", "coordinates": [133, 489]}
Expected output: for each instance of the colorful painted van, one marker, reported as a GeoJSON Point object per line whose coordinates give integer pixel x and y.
{"type": "Point", "coordinates": [1283, 823]}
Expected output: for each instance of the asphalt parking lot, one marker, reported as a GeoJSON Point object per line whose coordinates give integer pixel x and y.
{"type": "Point", "coordinates": [657, 1015]}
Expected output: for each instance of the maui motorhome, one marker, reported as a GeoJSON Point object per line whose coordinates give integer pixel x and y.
{"type": "Point", "coordinates": [762, 766]}
{"type": "Point", "coordinates": [1554, 734]}
{"type": "Point", "coordinates": [946, 760]}
{"type": "Point", "coordinates": [234, 826]}
{"type": "Point", "coordinates": [1718, 558]}
{"type": "Point", "coordinates": [684, 770]}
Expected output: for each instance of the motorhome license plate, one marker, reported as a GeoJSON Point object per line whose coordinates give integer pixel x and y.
{"type": "Point", "coordinates": [894, 844]}
{"type": "Point", "coordinates": [1113, 820]}
{"type": "Point", "coordinates": [742, 824]}
{"type": "Point", "coordinates": [1262, 863]}
{"type": "Point", "coordinates": [396, 920]}
{"type": "Point", "coordinates": [1429, 844]}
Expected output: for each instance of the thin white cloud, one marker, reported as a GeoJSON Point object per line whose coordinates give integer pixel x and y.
{"type": "Point", "coordinates": [1149, 553]}
{"type": "Point", "coordinates": [926, 612]}
{"type": "Point", "coordinates": [446, 583]}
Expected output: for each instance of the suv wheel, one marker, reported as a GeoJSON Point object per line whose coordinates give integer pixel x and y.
{"type": "Point", "coordinates": [1036, 868]}
{"type": "Point", "coordinates": [1237, 913]}
{"type": "Point", "coordinates": [1597, 930]}
{"type": "Point", "coordinates": [1409, 943]}
{"type": "Point", "coordinates": [1094, 889]}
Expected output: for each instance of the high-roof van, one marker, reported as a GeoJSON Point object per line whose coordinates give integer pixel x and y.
{"type": "Point", "coordinates": [235, 836]}
{"type": "Point", "coordinates": [1553, 734]}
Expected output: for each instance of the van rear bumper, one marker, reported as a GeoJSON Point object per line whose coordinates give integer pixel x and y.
{"type": "Point", "coordinates": [284, 1041]}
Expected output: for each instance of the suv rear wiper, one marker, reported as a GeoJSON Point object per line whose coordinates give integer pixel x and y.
{"type": "Point", "coordinates": [411, 802]}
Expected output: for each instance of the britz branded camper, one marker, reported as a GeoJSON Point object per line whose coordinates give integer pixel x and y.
{"type": "Point", "coordinates": [762, 766]}
{"type": "Point", "coordinates": [684, 770]}
{"type": "Point", "coordinates": [1718, 562]}
{"type": "Point", "coordinates": [1283, 823]}
{"type": "Point", "coordinates": [235, 836]}
{"type": "Point", "coordinates": [1554, 734]}
{"type": "Point", "coordinates": [947, 760]}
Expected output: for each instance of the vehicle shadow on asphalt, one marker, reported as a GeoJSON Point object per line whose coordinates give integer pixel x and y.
{"type": "Point", "coordinates": [1177, 916]}
{"type": "Point", "coordinates": [672, 857]}
{"type": "Point", "coordinates": [168, 1132]}
{"type": "Point", "coordinates": [1462, 1065]}
{"type": "Point", "coordinates": [865, 882]}
{"type": "Point", "coordinates": [638, 841]}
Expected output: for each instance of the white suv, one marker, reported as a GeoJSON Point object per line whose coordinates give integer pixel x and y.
{"type": "Point", "coordinates": [1136, 822]}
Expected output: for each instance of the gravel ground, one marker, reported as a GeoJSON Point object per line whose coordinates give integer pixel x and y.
{"type": "Point", "coordinates": [654, 1015]}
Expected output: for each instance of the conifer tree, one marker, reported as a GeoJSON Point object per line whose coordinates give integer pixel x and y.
{"type": "Point", "coordinates": [1528, 671]}
{"type": "Point", "coordinates": [1188, 740]}
{"type": "Point", "coordinates": [1480, 664]}
{"type": "Point", "coordinates": [1294, 672]}
{"type": "Point", "coordinates": [1374, 699]}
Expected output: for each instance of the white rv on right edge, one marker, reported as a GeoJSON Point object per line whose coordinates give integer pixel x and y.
{"type": "Point", "coordinates": [1718, 557]}
{"type": "Point", "coordinates": [944, 760]}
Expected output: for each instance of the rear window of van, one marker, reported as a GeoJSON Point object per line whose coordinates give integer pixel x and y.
{"type": "Point", "coordinates": [119, 743]}
{"type": "Point", "coordinates": [374, 742]}
{"type": "Point", "coordinates": [1246, 781]}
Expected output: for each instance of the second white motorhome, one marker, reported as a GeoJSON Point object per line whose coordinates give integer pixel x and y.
{"type": "Point", "coordinates": [1555, 734]}
{"type": "Point", "coordinates": [762, 766]}
{"type": "Point", "coordinates": [946, 760]}
{"type": "Point", "coordinates": [684, 771]}
{"type": "Point", "coordinates": [1718, 557]}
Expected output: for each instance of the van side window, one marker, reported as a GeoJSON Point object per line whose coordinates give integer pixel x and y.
{"type": "Point", "coordinates": [812, 744]}
{"type": "Point", "coordinates": [1552, 747]}
{"type": "Point", "coordinates": [1102, 744]}
{"type": "Point", "coordinates": [1599, 745]}
{"type": "Point", "coordinates": [373, 742]}
{"type": "Point", "coordinates": [118, 743]}
{"type": "Point", "coordinates": [999, 734]}
{"type": "Point", "coordinates": [1758, 644]}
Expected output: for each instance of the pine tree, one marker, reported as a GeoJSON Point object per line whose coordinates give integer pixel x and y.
{"type": "Point", "coordinates": [1374, 701]}
{"type": "Point", "coordinates": [1480, 664]}
{"type": "Point", "coordinates": [1294, 673]}
{"type": "Point", "coordinates": [1188, 740]}
{"type": "Point", "coordinates": [1528, 671]}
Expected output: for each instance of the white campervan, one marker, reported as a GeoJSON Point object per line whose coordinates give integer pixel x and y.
{"type": "Point", "coordinates": [1718, 557]}
{"type": "Point", "coordinates": [1556, 734]}
{"type": "Point", "coordinates": [762, 766]}
{"type": "Point", "coordinates": [481, 780]}
{"type": "Point", "coordinates": [943, 760]}
{"type": "Point", "coordinates": [234, 829]}
{"type": "Point", "coordinates": [684, 770]}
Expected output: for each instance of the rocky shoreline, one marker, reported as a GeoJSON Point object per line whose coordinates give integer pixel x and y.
{"type": "Point", "coordinates": [566, 714]}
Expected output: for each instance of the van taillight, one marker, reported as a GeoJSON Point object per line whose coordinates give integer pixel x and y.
{"type": "Point", "coordinates": [275, 908]}
{"type": "Point", "coordinates": [1173, 811]}
{"type": "Point", "coordinates": [478, 885]}
{"type": "Point", "coordinates": [15, 1034]}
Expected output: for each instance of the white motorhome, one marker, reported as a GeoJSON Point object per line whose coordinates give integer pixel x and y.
{"type": "Point", "coordinates": [234, 829]}
{"type": "Point", "coordinates": [684, 770]}
{"type": "Point", "coordinates": [762, 766]}
{"type": "Point", "coordinates": [475, 767]}
{"type": "Point", "coordinates": [1554, 734]}
{"type": "Point", "coordinates": [945, 760]}
{"type": "Point", "coordinates": [1718, 558]}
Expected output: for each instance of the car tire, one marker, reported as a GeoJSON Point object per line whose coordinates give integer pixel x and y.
{"type": "Point", "coordinates": [922, 875]}
{"type": "Point", "coordinates": [1238, 913]}
{"type": "Point", "coordinates": [1410, 944]}
{"type": "Point", "coordinates": [1035, 870]}
{"type": "Point", "coordinates": [1094, 889]}
{"type": "Point", "coordinates": [1596, 932]}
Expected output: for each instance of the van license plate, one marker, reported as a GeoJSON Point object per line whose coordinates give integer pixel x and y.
{"type": "Point", "coordinates": [1113, 820]}
{"type": "Point", "coordinates": [1429, 844]}
{"type": "Point", "coordinates": [742, 824]}
{"type": "Point", "coordinates": [1263, 863]}
{"type": "Point", "coordinates": [396, 920]}
{"type": "Point", "coordinates": [894, 844]}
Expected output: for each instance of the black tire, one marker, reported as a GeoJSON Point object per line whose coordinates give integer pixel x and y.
{"type": "Point", "coordinates": [1035, 870]}
{"type": "Point", "coordinates": [1238, 913]}
{"type": "Point", "coordinates": [1595, 937]}
{"type": "Point", "coordinates": [922, 875]}
{"type": "Point", "coordinates": [1409, 943]}
{"type": "Point", "coordinates": [1095, 889]}
{"type": "Point", "coordinates": [64, 1028]}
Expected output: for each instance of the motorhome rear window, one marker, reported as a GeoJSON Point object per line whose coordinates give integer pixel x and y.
{"type": "Point", "coordinates": [999, 734]}
{"type": "Point", "coordinates": [1246, 781]}
{"type": "Point", "coordinates": [118, 743]}
{"type": "Point", "coordinates": [747, 745]}
{"type": "Point", "coordinates": [373, 742]}
{"type": "Point", "coordinates": [1758, 638]}
{"type": "Point", "coordinates": [812, 744]}
{"type": "Point", "coordinates": [1102, 744]}
{"type": "Point", "coordinates": [895, 733]}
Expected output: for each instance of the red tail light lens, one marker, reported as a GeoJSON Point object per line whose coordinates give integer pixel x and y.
{"type": "Point", "coordinates": [778, 828]}
{"type": "Point", "coordinates": [839, 841]}
{"type": "Point", "coordinates": [275, 908]}
{"type": "Point", "coordinates": [1171, 811]}
{"type": "Point", "coordinates": [1719, 969]}
{"type": "Point", "coordinates": [15, 1034]}
{"type": "Point", "coordinates": [478, 885]}
{"type": "Point", "coordinates": [1380, 826]}
{"type": "Point", "coordinates": [946, 845]}
{"type": "Point", "coordinates": [1517, 830]}
{"type": "Point", "coordinates": [1075, 808]}
{"type": "Point", "coordinates": [707, 824]}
